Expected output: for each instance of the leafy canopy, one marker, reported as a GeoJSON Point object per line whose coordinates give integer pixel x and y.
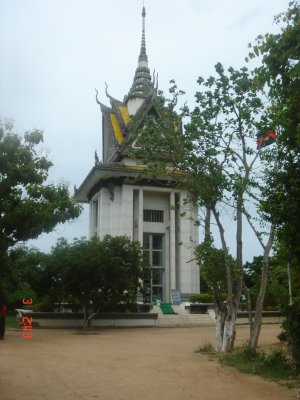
{"type": "Point", "coordinates": [29, 206]}
{"type": "Point", "coordinates": [279, 73]}
{"type": "Point", "coordinates": [99, 274]}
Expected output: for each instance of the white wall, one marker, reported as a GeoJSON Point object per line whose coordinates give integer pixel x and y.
{"type": "Point", "coordinates": [124, 216]}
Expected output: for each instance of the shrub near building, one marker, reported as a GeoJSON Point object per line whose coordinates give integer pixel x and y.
{"type": "Point", "coordinates": [200, 298]}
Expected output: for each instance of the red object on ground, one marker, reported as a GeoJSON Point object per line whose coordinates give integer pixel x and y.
{"type": "Point", "coordinates": [3, 311]}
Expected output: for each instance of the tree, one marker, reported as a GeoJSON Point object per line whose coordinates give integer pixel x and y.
{"type": "Point", "coordinates": [277, 296]}
{"type": "Point", "coordinates": [28, 274]}
{"type": "Point", "coordinates": [212, 263]}
{"type": "Point", "coordinates": [29, 206]}
{"type": "Point", "coordinates": [224, 126]}
{"type": "Point", "coordinates": [279, 73]}
{"type": "Point", "coordinates": [279, 76]}
{"type": "Point", "coordinates": [101, 275]}
{"type": "Point", "coordinates": [15, 284]}
{"type": "Point", "coordinates": [214, 160]}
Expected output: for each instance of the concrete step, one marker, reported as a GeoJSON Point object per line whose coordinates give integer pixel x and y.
{"type": "Point", "coordinates": [156, 309]}
{"type": "Point", "coordinates": [184, 320]}
{"type": "Point", "coordinates": [177, 309]}
{"type": "Point", "coordinates": [180, 310]}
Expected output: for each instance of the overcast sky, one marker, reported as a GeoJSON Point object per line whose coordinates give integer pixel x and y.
{"type": "Point", "coordinates": [54, 53]}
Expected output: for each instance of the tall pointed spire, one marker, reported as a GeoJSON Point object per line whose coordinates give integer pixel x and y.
{"type": "Point", "coordinates": [143, 55]}
{"type": "Point", "coordinates": [142, 83]}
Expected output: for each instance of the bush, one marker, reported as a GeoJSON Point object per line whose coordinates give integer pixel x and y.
{"type": "Point", "coordinates": [200, 298]}
{"type": "Point", "coordinates": [291, 329]}
{"type": "Point", "coordinates": [276, 365]}
{"type": "Point", "coordinates": [282, 336]}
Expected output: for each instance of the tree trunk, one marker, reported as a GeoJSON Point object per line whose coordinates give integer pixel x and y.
{"type": "Point", "coordinates": [85, 316]}
{"type": "Point", "coordinates": [229, 332]}
{"type": "Point", "coordinates": [88, 320]}
{"type": "Point", "coordinates": [207, 223]}
{"type": "Point", "coordinates": [225, 250]}
{"type": "Point", "coordinates": [221, 313]}
{"type": "Point", "coordinates": [225, 328]}
{"type": "Point", "coordinates": [261, 296]}
{"type": "Point", "coordinates": [226, 314]}
{"type": "Point", "coordinates": [239, 248]}
{"type": "Point", "coordinates": [248, 295]}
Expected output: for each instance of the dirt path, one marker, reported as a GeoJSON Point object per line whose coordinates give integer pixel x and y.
{"type": "Point", "coordinates": [126, 364]}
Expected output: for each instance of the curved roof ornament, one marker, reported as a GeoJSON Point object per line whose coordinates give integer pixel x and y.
{"type": "Point", "coordinates": [97, 100]}
{"type": "Point", "coordinates": [106, 91]}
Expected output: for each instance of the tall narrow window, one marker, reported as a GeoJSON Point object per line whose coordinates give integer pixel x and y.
{"type": "Point", "coordinates": [95, 212]}
{"type": "Point", "coordinates": [95, 215]}
{"type": "Point", "coordinates": [153, 244]}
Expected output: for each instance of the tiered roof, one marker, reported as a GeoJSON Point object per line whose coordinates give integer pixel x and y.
{"type": "Point", "coordinates": [118, 125]}
{"type": "Point", "coordinates": [116, 118]}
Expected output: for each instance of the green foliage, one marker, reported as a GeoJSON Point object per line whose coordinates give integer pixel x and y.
{"type": "Point", "coordinates": [26, 274]}
{"type": "Point", "coordinates": [274, 365]}
{"type": "Point", "coordinates": [14, 298]}
{"type": "Point", "coordinates": [279, 73]}
{"type": "Point", "coordinates": [212, 263]}
{"type": "Point", "coordinates": [214, 157]}
{"type": "Point", "coordinates": [221, 134]}
{"type": "Point", "coordinates": [214, 161]}
{"type": "Point", "coordinates": [99, 274]}
{"type": "Point", "coordinates": [28, 206]}
{"type": "Point", "coordinates": [282, 336]}
{"type": "Point", "coordinates": [291, 329]}
{"type": "Point", "coordinates": [200, 298]}
{"type": "Point", "coordinates": [276, 297]}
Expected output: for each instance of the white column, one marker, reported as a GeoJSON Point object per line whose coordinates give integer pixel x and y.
{"type": "Point", "coordinates": [104, 216]}
{"type": "Point", "coordinates": [141, 213]}
{"type": "Point", "coordinates": [188, 236]}
{"type": "Point", "coordinates": [127, 211]}
{"type": "Point", "coordinates": [98, 214]}
{"type": "Point", "coordinates": [172, 242]}
{"type": "Point", "coordinates": [91, 218]}
{"type": "Point", "coordinates": [94, 216]}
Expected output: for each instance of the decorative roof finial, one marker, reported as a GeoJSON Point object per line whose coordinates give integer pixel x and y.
{"type": "Point", "coordinates": [106, 91]}
{"type": "Point", "coordinates": [98, 102]}
{"type": "Point", "coordinates": [143, 55]}
{"type": "Point", "coordinates": [142, 84]}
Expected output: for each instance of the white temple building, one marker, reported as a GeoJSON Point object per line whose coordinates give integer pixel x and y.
{"type": "Point", "coordinates": [147, 211]}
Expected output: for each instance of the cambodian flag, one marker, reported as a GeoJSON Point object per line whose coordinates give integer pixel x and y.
{"type": "Point", "coordinates": [264, 139]}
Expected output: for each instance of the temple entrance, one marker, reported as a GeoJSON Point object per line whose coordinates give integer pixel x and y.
{"type": "Point", "coordinates": [153, 244]}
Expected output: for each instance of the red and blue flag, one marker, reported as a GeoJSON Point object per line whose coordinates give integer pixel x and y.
{"type": "Point", "coordinates": [265, 138]}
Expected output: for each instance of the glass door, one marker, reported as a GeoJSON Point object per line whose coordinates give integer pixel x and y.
{"type": "Point", "coordinates": [153, 244]}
